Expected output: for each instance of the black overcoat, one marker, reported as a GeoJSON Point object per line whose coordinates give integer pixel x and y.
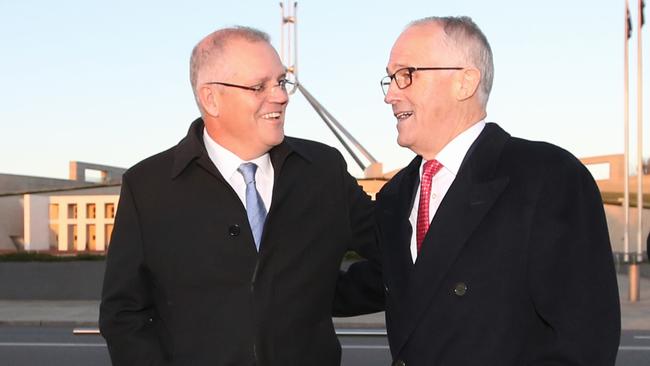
{"type": "Point", "coordinates": [516, 268]}
{"type": "Point", "coordinates": [184, 284]}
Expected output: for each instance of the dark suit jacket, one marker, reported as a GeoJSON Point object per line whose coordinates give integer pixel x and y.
{"type": "Point", "coordinates": [184, 284]}
{"type": "Point", "coordinates": [516, 268]}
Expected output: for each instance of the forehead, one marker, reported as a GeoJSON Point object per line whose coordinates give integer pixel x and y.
{"type": "Point", "coordinates": [420, 45]}
{"type": "Point", "coordinates": [253, 59]}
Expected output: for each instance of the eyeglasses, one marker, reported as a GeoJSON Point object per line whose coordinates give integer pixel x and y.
{"type": "Point", "coordinates": [260, 89]}
{"type": "Point", "coordinates": [404, 77]}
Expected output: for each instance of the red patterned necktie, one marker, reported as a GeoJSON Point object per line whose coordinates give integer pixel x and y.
{"type": "Point", "coordinates": [430, 169]}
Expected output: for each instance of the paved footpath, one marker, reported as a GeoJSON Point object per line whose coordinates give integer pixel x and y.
{"type": "Point", "coordinates": [635, 316]}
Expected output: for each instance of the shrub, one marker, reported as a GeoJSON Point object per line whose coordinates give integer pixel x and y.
{"type": "Point", "coordinates": [46, 257]}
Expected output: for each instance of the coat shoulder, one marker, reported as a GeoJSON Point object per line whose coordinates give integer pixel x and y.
{"type": "Point", "coordinates": [314, 151]}
{"type": "Point", "coordinates": [394, 185]}
{"type": "Point", "coordinates": [395, 181]}
{"type": "Point", "coordinates": [310, 146]}
{"type": "Point", "coordinates": [539, 156]}
{"type": "Point", "coordinates": [153, 167]}
{"type": "Point", "coordinates": [538, 164]}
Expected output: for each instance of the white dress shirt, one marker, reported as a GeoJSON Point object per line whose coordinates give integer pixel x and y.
{"type": "Point", "coordinates": [227, 163]}
{"type": "Point", "coordinates": [451, 156]}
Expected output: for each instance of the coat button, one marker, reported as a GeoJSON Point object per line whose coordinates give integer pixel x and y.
{"type": "Point", "coordinates": [399, 363]}
{"type": "Point", "coordinates": [460, 289]}
{"type": "Point", "coordinates": [386, 289]}
{"type": "Point", "coordinates": [234, 230]}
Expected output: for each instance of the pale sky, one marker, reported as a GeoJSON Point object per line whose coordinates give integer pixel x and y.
{"type": "Point", "coordinates": [107, 82]}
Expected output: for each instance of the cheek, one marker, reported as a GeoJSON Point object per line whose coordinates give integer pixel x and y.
{"type": "Point", "coordinates": [257, 107]}
{"type": "Point", "coordinates": [429, 106]}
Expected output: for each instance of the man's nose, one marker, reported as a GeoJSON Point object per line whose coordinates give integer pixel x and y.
{"type": "Point", "coordinates": [278, 94]}
{"type": "Point", "coordinates": [392, 93]}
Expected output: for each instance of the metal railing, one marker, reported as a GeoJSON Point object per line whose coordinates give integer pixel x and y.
{"type": "Point", "coordinates": [355, 332]}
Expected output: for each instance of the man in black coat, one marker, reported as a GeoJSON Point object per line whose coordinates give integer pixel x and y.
{"type": "Point", "coordinates": [211, 266]}
{"type": "Point", "coordinates": [495, 249]}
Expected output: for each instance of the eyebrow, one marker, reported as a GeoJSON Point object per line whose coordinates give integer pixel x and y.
{"type": "Point", "coordinates": [265, 79]}
{"type": "Point", "coordinates": [398, 66]}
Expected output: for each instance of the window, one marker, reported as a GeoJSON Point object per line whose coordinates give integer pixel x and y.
{"type": "Point", "coordinates": [108, 233]}
{"type": "Point", "coordinates": [109, 211]}
{"type": "Point", "coordinates": [72, 211]}
{"type": "Point", "coordinates": [91, 242]}
{"type": "Point", "coordinates": [90, 211]}
{"type": "Point", "coordinates": [54, 236]}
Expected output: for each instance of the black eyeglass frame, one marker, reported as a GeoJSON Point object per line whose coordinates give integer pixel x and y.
{"type": "Point", "coordinates": [386, 80]}
{"type": "Point", "coordinates": [259, 89]}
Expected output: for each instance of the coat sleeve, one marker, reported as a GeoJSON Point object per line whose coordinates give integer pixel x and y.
{"type": "Point", "coordinates": [127, 316]}
{"type": "Point", "coordinates": [571, 272]}
{"type": "Point", "coordinates": [360, 289]}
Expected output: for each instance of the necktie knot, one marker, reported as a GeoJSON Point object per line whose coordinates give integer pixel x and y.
{"type": "Point", "coordinates": [248, 171]}
{"type": "Point", "coordinates": [430, 168]}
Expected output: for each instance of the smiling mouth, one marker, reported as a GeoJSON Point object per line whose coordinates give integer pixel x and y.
{"type": "Point", "coordinates": [403, 115]}
{"type": "Point", "coordinates": [272, 115]}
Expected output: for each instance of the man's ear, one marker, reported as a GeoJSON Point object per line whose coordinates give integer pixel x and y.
{"type": "Point", "coordinates": [209, 99]}
{"type": "Point", "coordinates": [468, 83]}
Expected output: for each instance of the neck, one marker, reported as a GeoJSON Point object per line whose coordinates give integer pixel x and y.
{"type": "Point", "coordinates": [243, 152]}
{"type": "Point", "coordinates": [441, 139]}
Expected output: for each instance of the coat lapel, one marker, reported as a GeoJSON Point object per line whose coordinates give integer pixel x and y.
{"type": "Point", "coordinates": [287, 178]}
{"type": "Point", "coordinates": [281, 182]}
{"type": "Point", "coordinates": [396, 228]}
{"type": "Point", "coordinates": [468, 200]}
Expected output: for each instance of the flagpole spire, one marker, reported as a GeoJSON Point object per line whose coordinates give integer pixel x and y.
{"type": "Point", "coordinates": [289, 41]}
{"type": "Point", "coordinates": [289, 57]}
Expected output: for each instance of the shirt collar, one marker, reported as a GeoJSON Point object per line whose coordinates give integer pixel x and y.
{"type": "Point", "coordinates": [451, 156]}
{"type": "Point", "coordinates": [192, 147]}
{"type": "Point", "coordinates": [228, 163]}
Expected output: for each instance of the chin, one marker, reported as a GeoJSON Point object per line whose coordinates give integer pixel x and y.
{"type": "Point", "coordinates": [402, 141]}
{"type": "Point", "coordinates": [275, 140]}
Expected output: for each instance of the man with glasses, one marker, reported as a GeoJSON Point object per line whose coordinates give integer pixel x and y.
{"type": "Point", "coordinates": [495, 249]}
{"type": "Point", "coordinates": [226, 248]}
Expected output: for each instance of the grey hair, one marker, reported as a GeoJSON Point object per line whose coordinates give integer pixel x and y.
{"type": "Point", "coordinates": [470, 40]}
{"type": "Point", "coordinates": [211, 46]}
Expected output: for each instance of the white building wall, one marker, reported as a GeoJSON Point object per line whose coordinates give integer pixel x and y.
{"type": "Point", "coordinates": [11, 221]}
{"type": "Point", "coordinates": [36, 226]}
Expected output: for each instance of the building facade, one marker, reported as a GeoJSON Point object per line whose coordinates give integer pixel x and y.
{"type": "Point", "coordinates": [69, 223]}
{"type": "Point", "coordinates": [79, 219]}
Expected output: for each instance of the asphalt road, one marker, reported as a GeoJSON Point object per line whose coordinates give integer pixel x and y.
{"type": "Point", "coordinates": [57, 346]}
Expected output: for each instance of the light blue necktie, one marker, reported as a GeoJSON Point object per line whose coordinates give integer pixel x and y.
{"type": "Point", "coordinates": [255, 209]}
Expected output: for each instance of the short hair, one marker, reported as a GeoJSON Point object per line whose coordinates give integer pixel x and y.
{"type": "Point", "coordinates": [212, 45]}
{"type": "Point", "coordinates": [470, 40]}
